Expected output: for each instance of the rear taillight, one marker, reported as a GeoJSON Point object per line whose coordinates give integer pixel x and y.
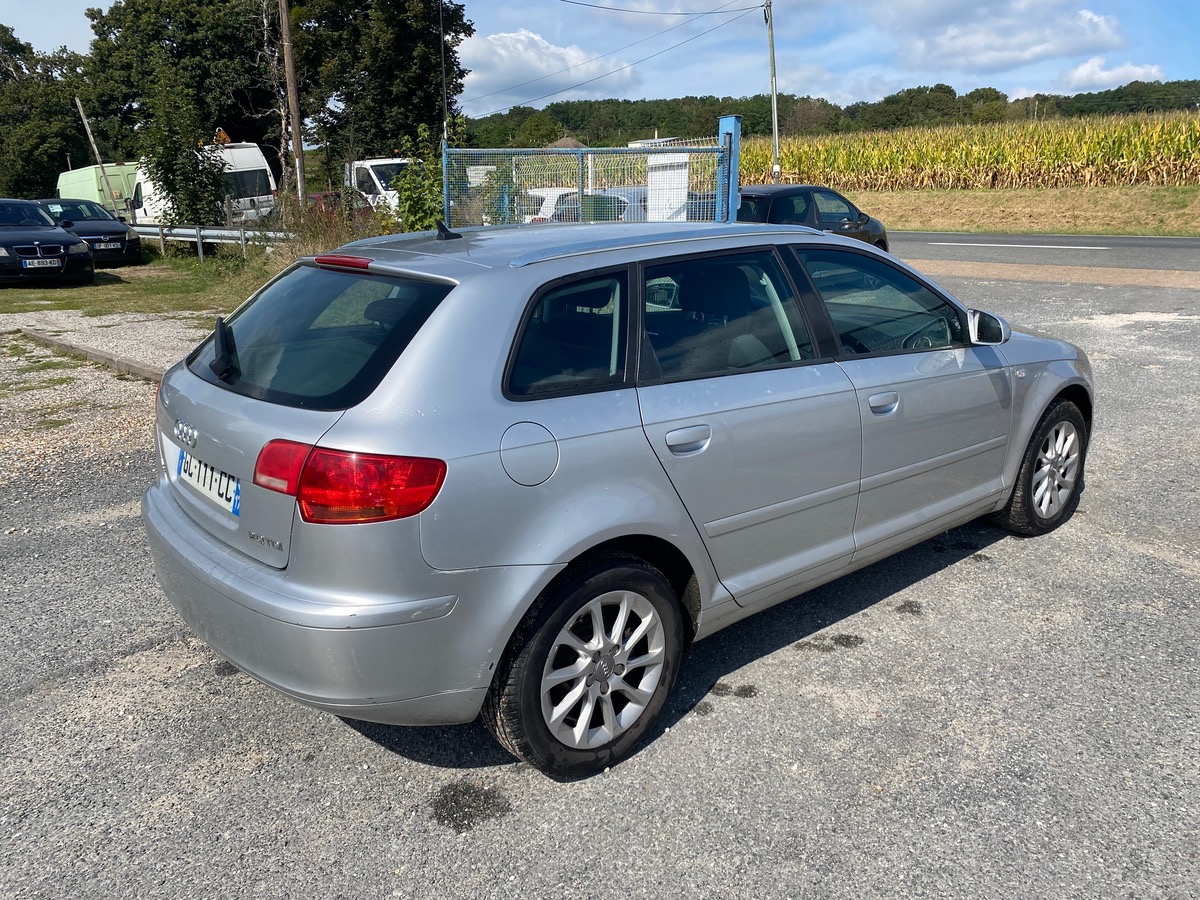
{"type": "Point", "coordinates": [279, 466]}
{"type": "Point", "coordinates": [335, 487]}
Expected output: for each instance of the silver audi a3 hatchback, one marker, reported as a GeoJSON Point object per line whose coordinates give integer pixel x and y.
{"type": "Point", "coordinates": [516, 472]}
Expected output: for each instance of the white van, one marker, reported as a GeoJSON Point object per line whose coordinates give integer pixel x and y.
{"type": "Point", "coordinates": [250, 187]}
{"type": "Point", "coordinates": [373, 179]}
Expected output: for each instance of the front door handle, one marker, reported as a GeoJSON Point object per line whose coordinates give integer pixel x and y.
{"type": "Point", "coordinates": [884, 403]}
{"type": "Point", "coordinates": [686, 441]}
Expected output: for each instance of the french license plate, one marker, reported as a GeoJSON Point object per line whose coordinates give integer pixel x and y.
{"type": "Point", "coordinates": [109, 245]}
{"type": "Point", "coordinates": [41, 263]}
{"type": "Point", "coordinates": [220, 487]}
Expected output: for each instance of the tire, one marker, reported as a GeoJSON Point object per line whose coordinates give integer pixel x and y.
{"type": "Point", "coordinates": [567, 699]}
{"type": "Point", "coordinates": [882, 245]}
{"type": "Point", "coordinates": [1050, 479]}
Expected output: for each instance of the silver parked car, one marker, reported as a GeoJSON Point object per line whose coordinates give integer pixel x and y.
{"type": "Point", "coordinates": [519, 470]}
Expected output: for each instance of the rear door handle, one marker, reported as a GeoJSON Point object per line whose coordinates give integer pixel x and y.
{"type": "Point", "coordinates": [884, 403]}
{"type": "Point", "coordinates": [686, 441]}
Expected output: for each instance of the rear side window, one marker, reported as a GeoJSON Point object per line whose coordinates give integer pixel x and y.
{"type": "Point", "coordinates": [753, 209]}
{"type": "Point", "coordinates": [320, 339]}
{"type": "Point", "coordinates": [573, 338]}
{"type": "Point", "coordinates": [719, 314]}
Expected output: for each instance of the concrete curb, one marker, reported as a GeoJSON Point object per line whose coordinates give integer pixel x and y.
{"type": "Point", "coordinates": [111, 360]}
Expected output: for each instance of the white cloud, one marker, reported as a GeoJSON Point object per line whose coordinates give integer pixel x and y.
{"type": "Point", "coordinates": [1092, 74]}
{"type": "Point", "coordinates": [520, 67]}
{"type": "Point", "coordinates": [992, 37]}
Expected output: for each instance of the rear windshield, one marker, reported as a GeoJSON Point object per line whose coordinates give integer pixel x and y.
{"type": "Point", "coordinates": [319, 339]}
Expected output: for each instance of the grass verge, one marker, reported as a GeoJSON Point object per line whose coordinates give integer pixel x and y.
{"type": "Point", "coordinates": [1136, 210]}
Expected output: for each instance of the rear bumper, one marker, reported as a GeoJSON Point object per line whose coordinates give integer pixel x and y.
{"type": "Point", "coordinates": [412, 661]}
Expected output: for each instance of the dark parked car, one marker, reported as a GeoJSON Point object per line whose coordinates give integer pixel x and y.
{"type": "Point", "coordinates": [112, 241]}
{"type": "Point", "coordinates": [805, 204]}
{"type": "Point", "coordinates": [33, 248]}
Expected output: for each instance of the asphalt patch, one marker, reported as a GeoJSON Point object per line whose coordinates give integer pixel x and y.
{"type": "Point", "coordinates": [462, 805]}
{"type": "Point", "coordinates": [829, 644]}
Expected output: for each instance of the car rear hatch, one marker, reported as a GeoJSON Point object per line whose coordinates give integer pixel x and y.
{"type": "Point", "coordinates": [237, 420]}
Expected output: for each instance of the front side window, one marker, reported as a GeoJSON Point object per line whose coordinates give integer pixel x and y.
{"type": "Point", "coordinates": [720, 314]}
{"type": "Point", "coordinates": [832, 209]}
{"type": "Point", "coordinates": [876, 308]}
{"type": "Point", "coordinates": [573, 338]}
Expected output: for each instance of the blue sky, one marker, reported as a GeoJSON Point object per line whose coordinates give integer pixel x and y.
{"type": "Point", "coordinates": [824, 48]}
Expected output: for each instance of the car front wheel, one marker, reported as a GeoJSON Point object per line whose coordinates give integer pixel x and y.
{"type": "Point", "coordinates": [1050, 479]}
{"type": "Point", "coordinates": [590, 670]}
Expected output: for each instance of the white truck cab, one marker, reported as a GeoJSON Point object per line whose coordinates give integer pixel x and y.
{"type": "Point", "coordinates": [373, 179]}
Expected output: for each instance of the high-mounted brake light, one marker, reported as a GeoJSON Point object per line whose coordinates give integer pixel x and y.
{"type": "Point", "coordinates": [341, 261]}
{"type": "Point", "coordinates": [336, 487]}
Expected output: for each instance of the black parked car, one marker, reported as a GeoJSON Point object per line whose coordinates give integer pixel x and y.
{"type": "Point", "coordinates": [112, 241]}
{"type": "Point", "coordinates": [33, 248]}
{"type": "Point", "coordinates": [804, 204]}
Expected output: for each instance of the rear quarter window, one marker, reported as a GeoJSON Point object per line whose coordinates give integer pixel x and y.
{"type": "Point", "coordinates": [321, 339]}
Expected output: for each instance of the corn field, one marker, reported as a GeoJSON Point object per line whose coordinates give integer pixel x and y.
{"type": "Point", "coordinates": [1117, 150]}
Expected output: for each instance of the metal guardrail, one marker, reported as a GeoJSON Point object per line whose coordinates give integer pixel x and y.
{"type": "Point", "coordinates": [201, 235]}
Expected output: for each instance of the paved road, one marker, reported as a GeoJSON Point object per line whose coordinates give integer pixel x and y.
{"type": "Point", "coordinates": [981, 716]}
{"type": "Point", "coordinates": [1177, 254]}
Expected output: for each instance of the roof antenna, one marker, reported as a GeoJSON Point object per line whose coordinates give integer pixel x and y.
{"type": "Point", "coordinates": [444, 233]}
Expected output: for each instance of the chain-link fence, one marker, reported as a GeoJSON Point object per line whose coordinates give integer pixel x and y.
{"type": "Point", "coordinates": [650, 181]}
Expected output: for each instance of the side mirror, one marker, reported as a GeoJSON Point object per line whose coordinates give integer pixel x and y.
{"type": "Point", "coordinates": [987, 328]}
{"type": "Point", "coordinates": [863, 219]}
{"type": "Point", "coordinates": [67, 224]}
{"type": "Point", "coordinates": [121, 219]}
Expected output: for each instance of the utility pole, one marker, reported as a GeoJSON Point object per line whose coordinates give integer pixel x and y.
{"type": "Point", "coordinates": [285, 38]}
{"type": "Point", "coordinates": [91, 140]}
{"type": "Point", "coordinates": [774, 101]}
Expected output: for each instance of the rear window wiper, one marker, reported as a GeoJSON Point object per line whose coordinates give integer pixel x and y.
{"type": "Point", "coordinates": [225, 363]}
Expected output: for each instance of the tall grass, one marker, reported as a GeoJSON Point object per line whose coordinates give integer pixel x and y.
{"type": "Point", "coordinates": [1117, 150]}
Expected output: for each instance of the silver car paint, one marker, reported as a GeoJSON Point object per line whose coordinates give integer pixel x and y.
{"type": "Point", "coordinates": [774, 519]}
{"type": "Point", "coordinates": [415, 635]}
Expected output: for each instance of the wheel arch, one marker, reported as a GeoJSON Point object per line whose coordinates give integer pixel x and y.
{"type": "Point", "coordinates": [1079, 395]}
{"type": "Point", "coordinates": [655, 551]}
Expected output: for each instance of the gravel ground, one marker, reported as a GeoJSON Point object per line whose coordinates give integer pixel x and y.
{"type": "Point", "coordinates": [141, 344]}
{"type": "Point", "coordinates": [980, 716]}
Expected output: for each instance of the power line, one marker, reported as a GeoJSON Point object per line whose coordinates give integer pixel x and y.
{"type": "Point", "coordinates": [629, 66]}
{"type": "Point", "coordinates": [718, 10]}
{"type": "Point", "coordinates": [653, 12]}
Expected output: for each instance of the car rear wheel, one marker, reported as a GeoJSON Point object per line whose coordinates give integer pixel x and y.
{"type": "Point", "coordinates": [590, 670]}
{"type": "Point", "coordinates": [1050, 479]}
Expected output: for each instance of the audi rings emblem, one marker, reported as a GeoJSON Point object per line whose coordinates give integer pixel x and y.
{"type": "Point", "coordinates": [185, 433]}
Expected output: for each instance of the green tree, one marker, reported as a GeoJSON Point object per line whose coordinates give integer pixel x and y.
{"type": "Point", "coordinates": [538, 130]}
{"type": "Point", "coordinates": [372, 71]}
{"type": "Point", "coordinates": [985, 105]}
{"type": "Point", "coordinates": [178, 156]}
{"type": "Point", "coordinates": [214, 49]}
{"type": "Point", "coordinates": [810, 115]}
{"type": "Point", "coordinates": [419, 187]}
{"type": "Point", "coordinates": [42, 135]}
